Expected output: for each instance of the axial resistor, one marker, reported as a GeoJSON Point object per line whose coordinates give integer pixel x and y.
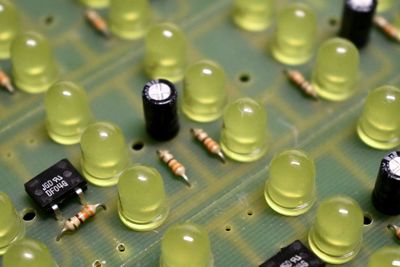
{"type": "Point", "coordinates": [386, 27]}
{"type": "Point", "coordinates": [6, 82]}
{"type": "Point", "coordinates": [298, 79]}
{"type": "Point", "coordinates": [98, 22]}
{"type": "Point", "coordinates": [75, 222]}
{"type": "Point", "coordinates": [176, 167]}
{"type": "Point", "coordinates": [212, 146]}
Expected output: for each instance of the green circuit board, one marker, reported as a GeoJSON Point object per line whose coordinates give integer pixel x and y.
{"type": "Point", "coordinates": [226, 198]}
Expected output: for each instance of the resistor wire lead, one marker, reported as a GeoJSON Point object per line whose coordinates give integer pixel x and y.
{"type": "Point", "coordinates": [387, 28]}
{"type": "Point", "coordinates": [395, 229]}
{"type": "Point", "coordinates": [297, 78]}
{"type": "Point", "coordinates": [73, 223]}
{"type": "Point", "coordinates": [97, 22]}
{"type": "Point", "coordinates": [6, 82]}
{"type": "Point", "coordinates": [208, 142]}
{"type": "Point", "coordinates": [176, 167]}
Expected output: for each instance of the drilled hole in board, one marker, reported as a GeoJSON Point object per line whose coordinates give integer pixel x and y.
{"type": "Point", "coordinates": [244, 78]}
{"type": "Point", "coordinates": [48, 20]}
{"type": "Point", "coordinates": [250, 213]}
{"type": "Point", "coordinates": [137, 146]}
{"type": "Point", "coordinates": [333, 21]}
{"type": "Point", "coordinates": [121, 247]}
{"type": "Point", "coordinates": [97, 263]}
{"type": "Point", "coordinates": [367, 219]}
{"type": "Point", "coordinates": [28, 215]}
{"type": "Point", "coordinates": [228, 228]}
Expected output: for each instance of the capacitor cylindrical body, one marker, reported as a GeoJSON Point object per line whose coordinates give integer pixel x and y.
{"type": "Point", "coordinates": [386, 193]}
{"type": "Point", "coordinates": [357, 21]}
{"type": "Point", "coordinates": [160, 109]}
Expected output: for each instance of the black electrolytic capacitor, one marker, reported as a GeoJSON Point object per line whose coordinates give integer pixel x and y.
{"type": "Point", "coordinates": [357, 20]}
{"type": "Point", "coordinates": [386, 193]}
{"type": "Point", "coordinates": [160, 109]}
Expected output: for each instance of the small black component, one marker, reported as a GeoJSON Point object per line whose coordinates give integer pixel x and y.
{"type": "Point", "coordinates": [294, 255]}
{"type": "Point", "coordinates": [55, 185]}
{"type": "Point", "coordinates": [160, 109]}
{"type": "Point", "coordinates": [386, 193]}
{"type": "Point", "coordinates": [357, 20]}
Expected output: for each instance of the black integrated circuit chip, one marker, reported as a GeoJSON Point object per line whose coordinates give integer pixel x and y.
{"type": "Point", "coordinates": [55, 185]}
{"type": "Point", "coordinates": [294, 255]}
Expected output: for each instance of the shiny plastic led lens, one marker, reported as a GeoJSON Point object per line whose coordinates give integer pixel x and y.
{"type": "Point", "coordinates": [379, 124]}
{"type": "Point", "coordinates": [253, 15]}
{"type": "Point", "coordinates": [165, 52]}
{"type": "Point", "coordinates": [290, 187]}
{"type": "Point", "coordinates": [385, 257]}
{"type": "Point", "coordinates": [129, 18]}
{"type": "Point", "coordinates": [104, 153]}
{"type": "Point", "coordinates": [186, 245]}
{"type": "Point", "coordinates": [33, 64]}
{"type": "Point", "coordinates": [244, 130]}
{"type": "Point", "coordinates": [9, 27]}
{"type": "Point", "coordinates": [142, 204]}
{"type": "Point", "coordinates": [28, 253]}
{"type": "Point", "coordinates": [336, 69]}
{"type": "Point", "coordinates": [67, 112]}
{"type": "Point", "coordinates": [295, 34]}
{"type": "Point", "coordinates": [11, 226]}
{"type": "Point", "coordinates": [204, 93]}
{"type": "Point", "coordinates": [96, 3]}
{"type": "Point", "coordinates": [337, 232]}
